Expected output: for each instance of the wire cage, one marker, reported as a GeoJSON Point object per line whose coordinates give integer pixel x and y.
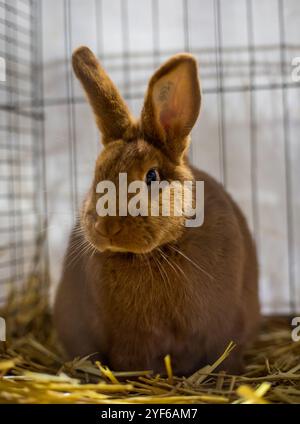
{"type": "Point", "coordinates": [246, 136]}
{"type": "Point", "coordinates": [21, 144]}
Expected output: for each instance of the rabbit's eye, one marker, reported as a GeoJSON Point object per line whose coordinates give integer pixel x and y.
{"type": "Point", "coordinates": [152, 175]}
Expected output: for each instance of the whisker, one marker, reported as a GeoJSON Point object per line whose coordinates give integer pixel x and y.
{"type": "Point", "coordinates": [80, 250]}
{"type": "Point", "coordinates": [158, 267]}
{"type": "Point", "coordinates": [173, 264]}
{"type": "Point", "coordinates": [192, 262]}
{"type": "Point", "coordinates": [167, 260]}
{"type": "Point", "coordinates": [150, 269]}
{"type": "Point", "coordinates": [163, 271]}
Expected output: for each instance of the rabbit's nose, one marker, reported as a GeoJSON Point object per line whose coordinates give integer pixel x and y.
{"type": "Point", "coordinates": [108, 229]}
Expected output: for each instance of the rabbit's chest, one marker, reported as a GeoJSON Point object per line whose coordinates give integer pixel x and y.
{"type": "Point", "coordinates": [142, 304]}
{"type": "Point", "coordinates": [147, 317]}
{"type": "Point", "coordinates": [147, 336]}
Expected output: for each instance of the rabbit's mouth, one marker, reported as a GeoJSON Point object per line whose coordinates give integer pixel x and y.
{"type": "Point", "coordinates": [136, 234]}
{"type": "Point", "coordinates": [108, 245]}
{"type": "Point", "coordinates": [103, 244]}
{"type": "Point", "coordinates": [121, 241]}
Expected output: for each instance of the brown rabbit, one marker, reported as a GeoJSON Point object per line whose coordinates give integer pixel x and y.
{"type": "Point", "coordinates": [153, 286]}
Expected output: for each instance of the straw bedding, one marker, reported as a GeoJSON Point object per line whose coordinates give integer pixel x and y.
{"type": "Point", "coordinates": [32, 368]}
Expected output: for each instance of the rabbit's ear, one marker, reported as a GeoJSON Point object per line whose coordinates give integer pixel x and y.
{"type": "Point", "coordinates": [112, 115]}
{"type": "Point", "coordinates": [172, 104]}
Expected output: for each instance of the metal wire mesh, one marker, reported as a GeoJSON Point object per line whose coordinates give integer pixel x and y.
{"type": "Point", "coordinates": [39, 39]}
{"type": "Point", "coordinates": [22, 211]}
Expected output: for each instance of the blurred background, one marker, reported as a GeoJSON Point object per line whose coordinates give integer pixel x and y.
{"type": "Point", "coordinates": [247, 135]}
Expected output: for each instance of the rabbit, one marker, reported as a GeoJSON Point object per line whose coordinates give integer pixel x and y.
{"type": "Point", "coordinates": [136, 288]}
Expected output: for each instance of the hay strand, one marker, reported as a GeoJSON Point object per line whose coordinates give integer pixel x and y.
{"type": "Point", "coordinates": [33, 370]}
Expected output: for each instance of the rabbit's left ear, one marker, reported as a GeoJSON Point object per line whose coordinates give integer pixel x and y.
{"type": "Point", "coordinates": [172, 104]}
{"type": "Point", "coordinates": [112, 115]}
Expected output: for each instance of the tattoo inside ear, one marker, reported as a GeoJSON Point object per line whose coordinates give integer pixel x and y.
{"type": "Point", "coordinates": [167, 112]}
{"type": "Point", "coordinates": [166, 117]}
{"type": "Point", "coordinates": [164, 92]}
